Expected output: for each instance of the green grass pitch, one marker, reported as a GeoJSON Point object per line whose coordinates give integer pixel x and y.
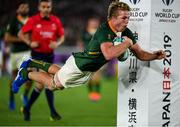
{"type": "Point", "coordinates": [72, 104]}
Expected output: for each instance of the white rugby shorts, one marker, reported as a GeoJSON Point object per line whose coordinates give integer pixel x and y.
{"type": "Point", "coordinates": [70, 75]}
{"type": "Point", "coordinates": [17, 58]}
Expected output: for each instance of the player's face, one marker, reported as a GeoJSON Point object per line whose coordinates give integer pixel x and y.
{"type": "Point", "coordinates": [23, 9]}
{"type": "Point", "coordinates": [45, 8]}
{"type": "Point", "coordinates": [92, 25]}
{"type": "Point", "coordinates": [121, 20]}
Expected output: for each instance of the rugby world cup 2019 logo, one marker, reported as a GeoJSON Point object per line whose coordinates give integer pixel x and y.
{"type": "Point", "coordinates": [167, 2]}
{"type": "Point", "coordinates": [134, 1]}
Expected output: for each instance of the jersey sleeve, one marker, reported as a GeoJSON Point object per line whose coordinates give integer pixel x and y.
{"type": "Point", "coordinates": [103, 36]}
{"type": "Point", "coordinates": [28, 26]}
{"type": "Point", "coordinates": [60, 28]}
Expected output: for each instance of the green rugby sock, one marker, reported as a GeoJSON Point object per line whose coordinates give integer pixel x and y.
{"type": "Point", "coordinates": [24, 73]}
{"type": "Point", "coordinates": [40, 65]}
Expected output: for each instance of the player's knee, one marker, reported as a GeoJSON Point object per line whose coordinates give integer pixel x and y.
{"type": "Point", "coordinates": [53, 69]}
{"type": "Point", "coordinates": [55, 84]}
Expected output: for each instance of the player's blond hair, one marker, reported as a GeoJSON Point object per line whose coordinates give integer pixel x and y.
{"type": "Point", "coordinates": [115, 6]}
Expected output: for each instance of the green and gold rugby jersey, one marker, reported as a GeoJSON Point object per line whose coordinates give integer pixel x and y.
{"type": "Point", "coordinates": [13, 28]}
{"type": "Point", "coordinates": [92, 58]}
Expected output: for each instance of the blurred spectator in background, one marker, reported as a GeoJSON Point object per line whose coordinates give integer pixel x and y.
{"type": "Point", "coordinates": [1, 39]}
{"type": "Point", "coordinates": [93, 23]}
{"type": "Point", "coordinates": [72, 15]}
{"type": "Point", "coordinates": [43, 33]}
{"type": "Point", "coordinates": [18, 49]}
{"type": "Point", "coordinates": [4, 51]}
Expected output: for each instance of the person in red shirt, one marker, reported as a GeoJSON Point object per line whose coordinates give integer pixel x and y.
{"type": "Point", "coordinates": [43, 32]}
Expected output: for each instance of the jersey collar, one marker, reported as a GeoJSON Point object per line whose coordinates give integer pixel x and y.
{"type": "Point", "coordinates": [21, 19]}
{"type": "Point", "coordinates": [44, 18]}
{"type": "Point", "coordinates": [111, 27]}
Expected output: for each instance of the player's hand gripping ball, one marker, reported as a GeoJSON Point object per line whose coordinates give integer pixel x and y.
{"type": "Point", "coordinates": [117, 40]}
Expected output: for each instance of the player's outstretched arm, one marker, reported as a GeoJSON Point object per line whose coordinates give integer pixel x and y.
{"type": "Point", "coordinates": [147, 56]}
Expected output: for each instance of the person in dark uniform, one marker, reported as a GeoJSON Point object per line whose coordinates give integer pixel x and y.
{"type": "Point", "coordinates": [18, 49]}
{"type": "Point", "coordinates": [92, 24]}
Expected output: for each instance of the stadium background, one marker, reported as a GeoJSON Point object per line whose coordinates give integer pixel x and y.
{"type": "Point", "coordinates": [148, 92]}
{"type": "Point", "coordinates": [73, 104]}
{"type": "Point", "coordinates": [73, 13]}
